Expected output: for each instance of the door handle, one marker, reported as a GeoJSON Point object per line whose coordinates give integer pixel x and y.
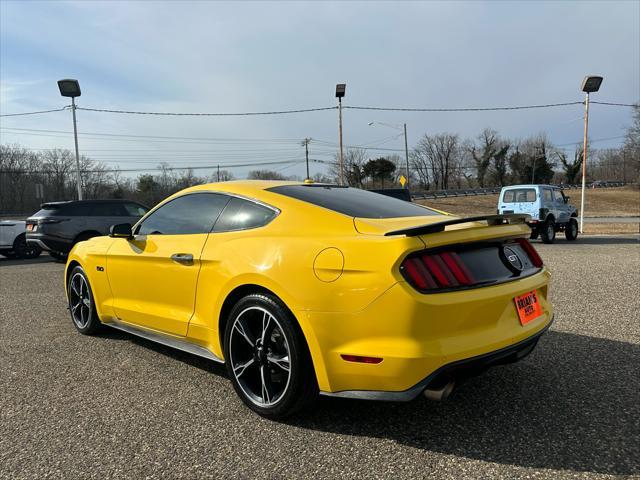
{"type": "Point", "coordinates": [184, 258]}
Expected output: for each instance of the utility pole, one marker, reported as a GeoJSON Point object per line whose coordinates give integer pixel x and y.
{"type": "Point", "coordinates": [75, 138]}
{"type": "Point", "coordinates": [340, 91]}
{"type": "Point", "coordinates": [591, 83]}
{"type": "Point", "coordinates": [406, 153]}
{"type": "Point", "coordinates": [218, 172]}
{"type": "Point", "coordinates": [584, 159]}
{"type": "Point", "coordinates": [71, 88]}
{"type": "Point", "coordinates": [305, 144]}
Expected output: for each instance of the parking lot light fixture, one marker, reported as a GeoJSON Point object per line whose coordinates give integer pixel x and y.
{"type": "Point", "coordinates": [590, 84]}
{"type": "Point", "coordinates": [71, 88]}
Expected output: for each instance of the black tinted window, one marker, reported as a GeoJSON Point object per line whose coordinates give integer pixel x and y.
{"type": "Point", "coordinates": [354, 202]}
{"type": "Point", "coordinates": [74, 210]}
{"type": "Point", "coordinates": [242, 214]}
{"type": "Point", "coordinates": [107, 210]}
{"type": "Point", "coordinates": [194, 213]}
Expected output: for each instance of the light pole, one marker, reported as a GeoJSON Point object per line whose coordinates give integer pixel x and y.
{"type": "Point", "coordinates": [406, 144]}
{"type": "Point", "coordinates": [305, 143]}
{"type": "Point", "coordinates": [71, 88]}
{"type": "Point", "coordinates": [340, 90]}
{"type": "Point", "coordinates": [591, 83]}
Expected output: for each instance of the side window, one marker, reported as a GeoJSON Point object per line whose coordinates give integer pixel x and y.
{"type": "Point", "coordinates": [75, 210]}
{"type": "Point", "coordinates": [547, 195]}
{"type": "Point", "coordinates": [508, 196]}
{"type": "Point", "coordinates": [557, 196]}
{"type": "Point", "coordinates": [189, 214]}
{"type": "Point", "coordinates": [107, 210]}
{"type": "Point", "coordinates": [242, 215]}
{"type": "Point", "coordinates": [135, 210]}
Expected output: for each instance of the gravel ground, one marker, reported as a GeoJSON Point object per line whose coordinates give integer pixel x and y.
{"type": "Point", "coordinates": [116, 406]}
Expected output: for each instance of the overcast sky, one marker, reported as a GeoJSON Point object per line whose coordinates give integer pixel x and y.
{"type": "Point", "coordinates": [246, 56]}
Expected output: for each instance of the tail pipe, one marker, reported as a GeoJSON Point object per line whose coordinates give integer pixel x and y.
{"type": "Point", "coordinates": [441, 393]}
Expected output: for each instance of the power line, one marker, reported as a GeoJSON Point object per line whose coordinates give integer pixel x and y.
{"type": "Point", "coordinates": [32, 113]}
{"type": "Point", "coordinates": [177, 114]}
{"type": "Point", "coordinates": [464, 109]}
{"type": "Point", "coordinates": [616, 104]}
{"type": "Point", "coordinates": [320, 109]}
{"type": "Point", "coordinates": [124, 170]}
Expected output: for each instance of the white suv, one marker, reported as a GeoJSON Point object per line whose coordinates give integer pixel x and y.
{"type": "Point", "coordinates": [548, 207]}
{"type": "Point", "coordinates": [13, 242]}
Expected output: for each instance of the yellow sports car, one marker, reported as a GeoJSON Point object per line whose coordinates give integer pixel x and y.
{"type": "Point", "coordinates": [302, 288]}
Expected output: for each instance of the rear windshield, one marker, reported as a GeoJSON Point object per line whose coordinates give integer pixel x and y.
{"type": "Point", "coordinates": [519, 195]}
{"type": "Point", "coordinates": [353, 201]}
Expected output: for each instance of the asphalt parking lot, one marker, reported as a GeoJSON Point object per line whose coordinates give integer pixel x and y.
{"type": "Point", "coordinates": [117, 406]}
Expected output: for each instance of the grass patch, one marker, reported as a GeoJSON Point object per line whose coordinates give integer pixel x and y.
{"type": "Point", "coordinates": [599, 202]}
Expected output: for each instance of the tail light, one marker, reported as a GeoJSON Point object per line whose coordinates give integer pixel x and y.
{"type": "Point", "coordinates": [474, 266]}
{"type": "Point", "coordinates": [531, 252]}
{"type": "Point", "coordinates": [437, 271]}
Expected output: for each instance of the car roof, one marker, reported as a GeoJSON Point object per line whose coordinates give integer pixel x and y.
{"type": "Point", "coordinates": [80, 202]}
{"type": "Point", "coordinates": [529, 185]}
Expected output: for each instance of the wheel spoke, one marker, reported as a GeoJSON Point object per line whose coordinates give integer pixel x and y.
{"type": "Point", "coordinates": [282, 362]}
{"type": "Point", "coordinates": [240, 329]}
{"type": "Point", "coordinates": [241, 368]}
{"type": "Point", "coordinates": [75, 307]}
{"type": "Point", "coordinates": [74, 287]}
{"type": "Point", "coordinates": [266, 395]}
{"type": "Point", "coordinates": [266, 320]}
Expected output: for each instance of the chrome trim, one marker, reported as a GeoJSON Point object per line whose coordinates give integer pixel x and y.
{"type": "Point", "coordinates": [163, 339]}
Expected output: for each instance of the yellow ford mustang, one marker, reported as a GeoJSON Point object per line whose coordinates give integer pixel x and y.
{"type": "Point", "coordinates": [305, 288]}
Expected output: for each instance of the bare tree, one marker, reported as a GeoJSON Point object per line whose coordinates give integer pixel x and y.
{"type": "Point", "coordinates": [353, 163]}
{"type": "Point", "coordinates": [439, 155]}
{"type": "Point", "coordinates": [483, 152]}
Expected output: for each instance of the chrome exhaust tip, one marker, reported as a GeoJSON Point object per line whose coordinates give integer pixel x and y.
{"type": "Point", "coordinates": [439, 394]}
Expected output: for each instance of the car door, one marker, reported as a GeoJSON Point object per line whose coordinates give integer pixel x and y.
{"type": "Point", "coordinates": [560, 206]}
{"type": "Point", "coordinates": [154, 275]}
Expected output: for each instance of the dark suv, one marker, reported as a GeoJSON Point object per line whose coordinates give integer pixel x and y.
{"type": "Point", "coordinates": [58, 226]}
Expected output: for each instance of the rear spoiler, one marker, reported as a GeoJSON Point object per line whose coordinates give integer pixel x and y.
{"type": "Point", "coordinates": [509, 219]}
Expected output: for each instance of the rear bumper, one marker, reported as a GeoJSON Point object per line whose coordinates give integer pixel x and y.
{"type": "Point", "coordinates": [416, 335]}
{"type": "Point", "coordinates": [453, 371]}
{"type": "Point", "coordinates": [50, 242]}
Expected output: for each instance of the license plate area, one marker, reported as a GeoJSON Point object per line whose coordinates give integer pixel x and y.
{"type": "Point", "coordinates": [528, 307]}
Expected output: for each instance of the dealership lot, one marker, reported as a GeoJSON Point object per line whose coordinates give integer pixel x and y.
{"type": "Point", "coordinates": [114, 405]}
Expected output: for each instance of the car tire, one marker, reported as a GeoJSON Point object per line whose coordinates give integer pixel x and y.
{"type": "Point", "coordinates": [8, 253]}
{"type": "Point", "coordinates": [81, 303]}
{"type": "Point", "coordinates": [22, 249]}
{"type": "Point", "coordinates": [571, 230]}
{"type": "Point", "coordinates": [548, 232]}
{"type": "Point", "coordinates": [534, 234]}
{"type": "Point", "coordinates": [59, 256]}
{"type": "Point", "coordinates": [267, 357]}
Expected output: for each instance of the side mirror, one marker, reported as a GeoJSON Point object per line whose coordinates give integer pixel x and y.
{"type": "Point", "coordinates": [121, 230]}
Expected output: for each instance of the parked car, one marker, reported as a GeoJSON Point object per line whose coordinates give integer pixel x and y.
{"type": "Point", "coordinates": [58, 226]}
{"type": "Point", "coordinates": [13, 242]}
{"type": "Point", "coordinates": [548, 207]}
{"type": "Point", "coordinates": [305, 288]}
